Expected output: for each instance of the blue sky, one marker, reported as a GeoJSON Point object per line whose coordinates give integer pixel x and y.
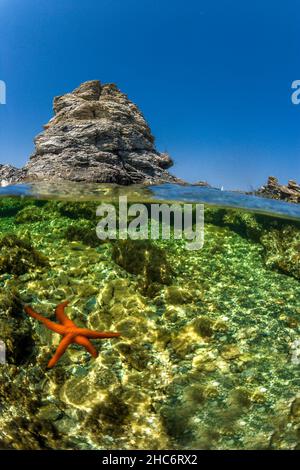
{"type": "Point", "coordinates": [213, 78]}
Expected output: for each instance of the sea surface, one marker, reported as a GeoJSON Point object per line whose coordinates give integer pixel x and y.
{"type": "Point", "coordinates": [209, 352]}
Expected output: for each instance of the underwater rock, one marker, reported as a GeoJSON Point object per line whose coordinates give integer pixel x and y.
{"type": "Point", "coordinates": [176, 295]}
{"type": "Point", "coordinates": [280, 240]}
{"type": "Point", "coordinates": [15, 328]}
{"type": "Point", "coordinates": [274, 190]}
{"type": "Point", "coordinates": [177, 423]}
{"type": "Point", "coordinates": [96, 135]}
{"type": "Point", "coordinates": [203, 326]}
{"type": "Point", "coordinates": [10, 206]}
{"type": "Point", "coordinates": [83, 231]}
{"type": "Point", "coordinates": [244, 223]}
{"type": "Point", "coordinates": [75, 210]}
{"type": "Point", "coordinates": [143, 258]}
{"type": "Point", "coordinates": [33, 433]}
{"type": "Point", "coordinates": [285, 426]}
{"type": "Point", "coordinates": [282, 250]}
{"type": "Point", "coordinates": [17, 256]}
{"type": "Point", "coordinates": [109, 417]}
{"type": "Point", "coordinates": [30, 214]}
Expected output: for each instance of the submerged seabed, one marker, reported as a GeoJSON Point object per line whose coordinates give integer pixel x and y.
{"type": "Point", "coordinates": [209, 355]}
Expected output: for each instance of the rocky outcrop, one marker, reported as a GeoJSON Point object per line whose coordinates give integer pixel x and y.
{"type": "Point", "coordinates": [10, 174]}
{"type": "Point", "coordinates": [97, 135]}
{"type": "Point", "coordinates": [203, 184]}
{"type": "Point", "coordinates": [274, 190]}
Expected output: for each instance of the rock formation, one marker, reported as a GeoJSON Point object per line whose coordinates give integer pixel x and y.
{"type": "Point", "coordinates": [96, 135]}
{"type": "Point", "coordinates": [10, 174]}
{"type": "Point", "coordinates": [274, 190]}
{"type": "Point", "coordinates": [203, 184]}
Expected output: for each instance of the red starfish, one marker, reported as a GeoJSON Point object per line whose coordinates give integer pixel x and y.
{"type": "Point", "coordinates": [70, 332]}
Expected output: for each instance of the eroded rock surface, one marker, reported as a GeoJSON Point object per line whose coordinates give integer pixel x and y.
{"type": "Point", "coordinates": [97, 135]}
{"type": "Point", "coordinates": [10, 174]}
{"type": "Point", "coordinates": [273, 189]}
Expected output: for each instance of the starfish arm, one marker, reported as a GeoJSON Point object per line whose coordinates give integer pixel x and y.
{"type": "Point", "coordinates": [70, 332]}
{"type": "Point", "coordinates": [61, 316]}
{"type": "Point", "coordinates": [86, 344]}
{"type": "Point", "coordinates": [48, 323]}
{"type": "Point", "coordinates": [96, 334]}
{"type": "Point", "coordinates": [68, 339]}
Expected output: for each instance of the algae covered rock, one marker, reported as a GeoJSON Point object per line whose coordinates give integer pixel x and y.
{"type": "Point", "coordinates": [244, 223]}
{"type": "Point", "coordinates": [279, 238]}
{"type": "Point", "coordinates": [282, 250]}
{"type": "Point", "coordinates": [15, 328]}
{"type": "Point", "coordinates": [76, 210]}
{"type": "Point", "coordinates": [110, 416]}
{"type": "Point", "coordinates": [177, 295]}
{"type": "Point", "coordinates": [247, 224]}
{"type": "Point", "coordinates": [204, 326]}
{"type": "Point", "coordinates": [83, 231]}
{"type": "Point", "coordinates": [30, 214]}
{"type": "Point", "coordinates": [143, 258]}
{"type": "Point", "coordinates": [17, 256]}
{"type": "Point", "coordinates": [10, 206]}
{"type": "Point", "coordinates": [33, 433]}
{"type": "Point", "coordinates": [215, 215]}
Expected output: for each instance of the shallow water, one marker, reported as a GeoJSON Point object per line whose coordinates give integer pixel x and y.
{"type": "Point", "coordinates": [209, 353]}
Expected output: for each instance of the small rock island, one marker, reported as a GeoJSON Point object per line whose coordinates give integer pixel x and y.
{"type": "Point", "coordinates": [274, 190]}
{"type": "Point", "coordinates": [97, 135]}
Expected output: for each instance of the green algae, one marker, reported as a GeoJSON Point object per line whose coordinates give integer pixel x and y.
{"type": "Point", "coordinates": [205, 359]}
{"type": "Point", "coordinates": [279, 238]}
{"type": "Point", "coordinates": [82, 231]}
{"type": "Point", "coordinates": [143, 258]}
{"type": "Point", "coordinates": [17, 255]}
{"type": "Point", "coordinates": [283, 250]}
{"type": "Point", "coordinates": [31, 213]}
{"type": "Point", "coordinates": [10, 206]}
{"type": "Point", "coordinates": [15, 328]}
